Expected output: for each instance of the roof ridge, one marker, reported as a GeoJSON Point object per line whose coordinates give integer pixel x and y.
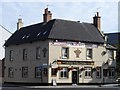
{"type": "Point", "coordinates": [69, 20]}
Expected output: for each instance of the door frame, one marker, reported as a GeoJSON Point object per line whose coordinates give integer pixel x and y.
{"type": "Point", "coordinates": [77, 76]}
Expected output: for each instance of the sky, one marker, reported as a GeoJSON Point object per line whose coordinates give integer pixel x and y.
{"type": "Point", "coordinates": [31, 11]}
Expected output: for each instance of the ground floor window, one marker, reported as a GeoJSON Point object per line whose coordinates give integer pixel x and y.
{"type": "Point", "coordinates": [64, 73]}
{"type": "Point", "coordinates": [88, 72]}
{"type": "Point", "coordinates": [111, 72]}
{"type": "Point", "coordinates": [11, 72]}
{"type": "Point", "coordinates": [54, 72]}
{"type": "Point", "coordinates": [24, 72]}
{"type": "Point", "coordinates": [45, 71]}
{"type": "Point", "coordinates": [105, 72]}
{"type": "Point", "coordinates": [38, 72]}
{"type": "Point", "coordinates": [98, 72]}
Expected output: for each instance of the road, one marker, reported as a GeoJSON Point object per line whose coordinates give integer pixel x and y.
{"type": "Point", "coordinates": [61, 88]}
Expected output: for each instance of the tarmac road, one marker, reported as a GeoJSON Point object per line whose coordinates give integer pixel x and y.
{"type": "Point", "coordinates": [61, 88]}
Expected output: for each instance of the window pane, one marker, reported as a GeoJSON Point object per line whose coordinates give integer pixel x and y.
{"type": "Point", "coordinates": [98, 72]}
{"type": "Point", "coordinates": [61, 73]}
{"type": "Point", "coordinates": [11, 55]}
{"type": "Point", "coordinates": [38, 53]}
{"type": "Point", "coordinates": [88, 72]}
{"type": "Point", "coordinates": [65, 52]}
{"type": "Point", "coordinates": [24, 72]}
{"type": "Point", "coordinates": [111, 72]}
{"type": "Point", "coordinates": [64, 73]}
{"type": "Point", "coordinates": [45, 71]}
{"type": "Point", "coordinates": [24, 54]}
{"type": "Point", "coordinates": [38, 72]}
{"type": "Point", "coordinates": [11, 72]}
{"type": "Point", "coordinates": [105, 72]}
{"type": "Point", "coordinates": [54, 72]}
{"type": "Point", "coordinates": [89, 53]}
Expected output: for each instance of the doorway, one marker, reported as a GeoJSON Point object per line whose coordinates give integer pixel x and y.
{"type": "Point", "coordinates": [75, 77]}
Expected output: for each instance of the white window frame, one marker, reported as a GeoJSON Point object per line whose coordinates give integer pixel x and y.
{"type": "Point", "coordinates": [65, 52]}
{"type": "Point", "coordinates": [89, 53]}
{"type": "Point", "coordinates": [88, 72]}
{"type": "Point", "coordinates": [62, 73]}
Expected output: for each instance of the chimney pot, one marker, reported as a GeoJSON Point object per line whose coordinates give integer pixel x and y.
{"type": "Point", "coordinates": [47, 16]}
{"type": "Point", "coordinates": [97, 21]}
{"type": "Point", "coordinates": [19, 24]}
{"type": "Point", "coordinates": [97, 13]}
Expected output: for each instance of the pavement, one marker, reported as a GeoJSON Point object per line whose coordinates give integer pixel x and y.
{"type": "Point", "coordinates": [75, 86]}
{"type": "Point", "coordinates": [66, 86]}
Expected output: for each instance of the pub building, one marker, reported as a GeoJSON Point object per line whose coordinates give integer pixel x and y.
{"type": "Point", "coordinates": [59, 52]}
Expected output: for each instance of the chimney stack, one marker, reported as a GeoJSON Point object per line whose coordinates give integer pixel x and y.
{"type": "Point", "coordinates": [19, 23]}
{"type": "Point", "coordinates": [47, 15]}
{"type": "Point", "coordinates": [97, 21]}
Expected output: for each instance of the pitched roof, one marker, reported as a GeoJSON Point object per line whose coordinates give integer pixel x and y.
{"type": "Point", "coordinates": [57, 29]}
{"type": "Point", "coordinates": [113, 38]}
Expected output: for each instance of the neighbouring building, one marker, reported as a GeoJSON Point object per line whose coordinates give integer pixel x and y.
{"type": "Point", "coordinates": [59, 51]}
{"type": "Point", "coordinates": [4, 35]}
{"type": "Point", "coordinates": [113, 38]}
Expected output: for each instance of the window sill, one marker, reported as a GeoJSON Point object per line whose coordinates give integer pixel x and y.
{"type": "Point", "coordinates": [63, 78]}
{"type": "Point", "coordinates": [88, 77]}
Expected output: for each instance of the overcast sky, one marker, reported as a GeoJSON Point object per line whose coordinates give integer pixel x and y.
{"type": "Point", "coordinates": [76, 10]}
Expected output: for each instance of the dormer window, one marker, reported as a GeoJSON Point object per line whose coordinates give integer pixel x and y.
{"type": "Point", "coordinates": [39, 34]}
{"type": "Point", "coordinates": [44, 32]}
{"type": "Point", "coordinates": [23, 36]}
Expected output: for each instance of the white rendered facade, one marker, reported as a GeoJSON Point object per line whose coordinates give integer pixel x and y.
{"type": "Point", "coordinates": [62, 61]}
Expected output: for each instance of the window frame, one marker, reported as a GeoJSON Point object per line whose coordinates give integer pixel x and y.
{"type": "Point", "coordinates": [38, 53]}
{"type": "Point", "coordinates": [25, 54]}
{"type": "Point", "coordinates": [38, 72]}
{"type": "Point", "coordinates": [11, 72]}
{"type": "Point", "coordinates": [105, 72]}
{"type": "Point", "coordinates": [88, 72]}
{"type": "Point", "coordinates": [45, 71]}
{"type": "Point", "coordinates": [63, 71]}
{"type": "Point", "coordinates": [98, 72]}
{"type": "Point", "coordinates": [25, 72]}
{"type": "Point", "coordinates": [53, 72]}
{"type": "Point", "coordinates": [65, 54]}
{"type": "Point", "coordinates": [111, 72]}
{"type": "Point", "coordinates": [11, 57]}
{"type": "Point", "coordinates": [89, 53]}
